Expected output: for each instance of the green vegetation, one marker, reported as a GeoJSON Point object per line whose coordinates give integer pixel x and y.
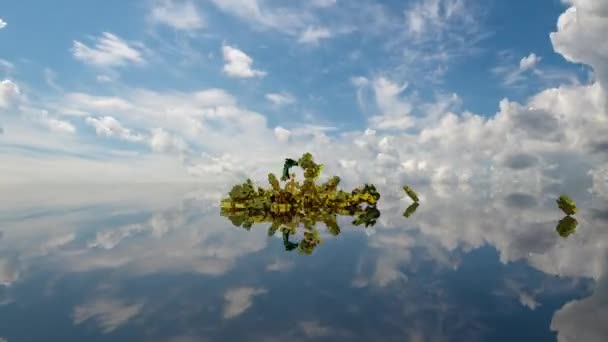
{"type": "Point", "coordinates": [289, 163]}
{"type": "Point", "coordinates": [566, 226]}
{"type": "Point", "coordinates": [409, 211]}
{"type": "Point", "coordinates": [295, 204]}
{"type": "Point", "coordinates": [567, 205]}
{"type": "Point", "coordinates": [410, 192]}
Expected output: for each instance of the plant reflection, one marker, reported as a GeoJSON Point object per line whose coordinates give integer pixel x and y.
{"type": "Point", "coordinates": [566, 226]}
{"type": "Point", "coordinates": [409, 211]}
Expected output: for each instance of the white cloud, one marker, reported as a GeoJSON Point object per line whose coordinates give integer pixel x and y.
{"type": "Point", "coordinates": [104, 79]}
{"type": "Point", "coordinates": [394, 111]}
{"type": "Point", "coordinates": [280, 99]}
{"type": "Point", "coordinates": [516, 75]}
{"type": "Point", "coordinates": [109, 50]}
{"type": "Point", "coordinates": [282, 134]}
{"type": "Point", "coordinates": [2, 24]}
{"type": "Point", "coordinates": [164, 142]}
{"type": "Point", "coordinates": [178, 14]}
{"type": "Point", "coordinates": [60, 126]}
{"type": "Point", "coordinates": [528, 301]}
{"type": "Point", "coordinates": [111, 238]}
{"type": "Point", "coordinates": [110, 314]}
{"type": "Point", "coordinates": [529, 62]}
{"type": "Point", "coordinates": [89, 103]}
{"type": "Point", "coordinates": [584, 319]}
{"type": "Point", "coordinates": [581, 36]}
{"type": "Point", "coordinates": [312, 35]}
{"type": "Point", "coordinates": [9, 93]}
{"type": "Point", "coordinates": [256, 12]}
{"type": "Point", "coordinates": [238, 300]}
{"type": "Point", "coordinates": [432, 17]}
{"type": "Point", "coordinates": [238, 64]}
{"type": "Point", "coordinates": [213, 98]}
{"type": "Point", "coordinates": [110, 127]}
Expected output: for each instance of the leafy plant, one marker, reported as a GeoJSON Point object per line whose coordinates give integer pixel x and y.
{"type": "Point", "coordinates": [567, 205]}
{"type": "Point", "coordinates": [411, 193]}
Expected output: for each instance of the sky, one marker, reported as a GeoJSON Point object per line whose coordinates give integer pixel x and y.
{"type": "Point", "coordinates": [435, 91]}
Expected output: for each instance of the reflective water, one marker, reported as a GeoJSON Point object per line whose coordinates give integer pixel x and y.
{"type": "Point", "coordinates": [158, 263]}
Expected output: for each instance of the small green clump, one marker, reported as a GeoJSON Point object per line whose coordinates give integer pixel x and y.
{"type": "Point", "coordinates": [410, 192]}
{"type": "Point", "coordinates": [409, 211]}
{"type": "Point", "coordinates": [566, 226]}
{"type": "Point", "coordinates": [567, 205]}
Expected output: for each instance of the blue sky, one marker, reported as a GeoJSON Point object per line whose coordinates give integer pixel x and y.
{"type": "Point", "coordinates": [326, 66]}
{"type": "Point", "coordinates": [195, 82]}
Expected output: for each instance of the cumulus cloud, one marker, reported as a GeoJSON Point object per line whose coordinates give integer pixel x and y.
{"type": "Point", "coordinates": [2, 24]}
{"type": "Point", "coordinates": [239, 64]}
{"type": "Point", "coordinates": [580, 36]}
{"type": "Point", "coordinates": [110, 127]}
{"type": "Point", "coordinates": [313, 35]}
{"type": "Point", "coordinates": [178, 14]}
{"type": "Point", "coordinates": [109, 51]}
{"type": "Point", "coordinates": [520, 160]}
{"type": "Point", "coordinates": [584, 319]}
{"type": "Point", "coordinates": [282, 134]}
{"type": "Point", "coordinates": [238, 300]}
{"type": "Point", "coordinates": [163, 141]}
{"type": "Point", "coordinates": [280, 99]}
{"type": "Point", "coordinates": [529, 62]}
{"type": "Point", "coordinates": [109, 314]}
{"type": "Point", "coordinates": [9, 93]}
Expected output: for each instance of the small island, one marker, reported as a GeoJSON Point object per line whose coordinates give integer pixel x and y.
{"type": "Point", "coordinates": [296, 204]}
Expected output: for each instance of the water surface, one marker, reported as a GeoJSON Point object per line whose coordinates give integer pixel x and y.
{"type": "Point", "coordinates": [158, 263]}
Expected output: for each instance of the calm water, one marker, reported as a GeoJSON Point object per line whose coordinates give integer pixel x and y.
{"type": "Point", "coordinates": [158, 263]}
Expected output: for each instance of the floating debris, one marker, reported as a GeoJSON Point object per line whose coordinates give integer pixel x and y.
{"type": "Point", "coordinates": [567, 205]}
{"type": "Point", "coordinates": [410, 192]}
